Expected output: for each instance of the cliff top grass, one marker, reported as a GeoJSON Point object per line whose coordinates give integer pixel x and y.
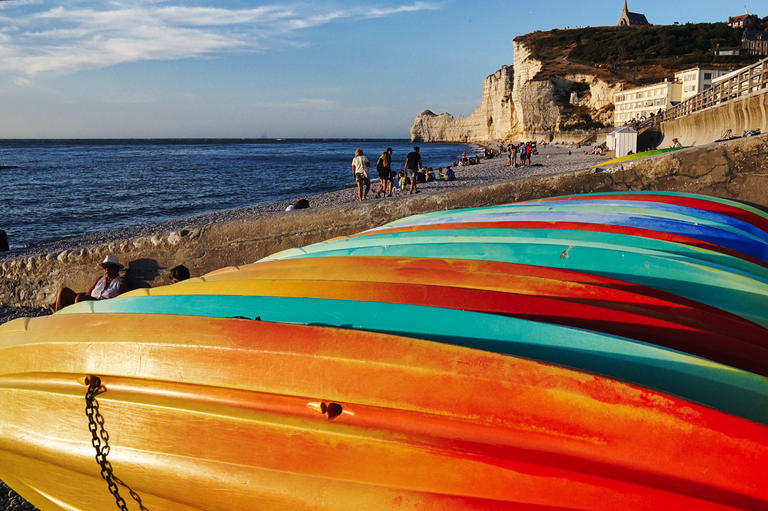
{"type": "Point", "coordinates": [635, 55]}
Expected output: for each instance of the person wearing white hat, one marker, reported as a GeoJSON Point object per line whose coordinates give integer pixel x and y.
{"type": "Point", "coordinates": [108, 285]}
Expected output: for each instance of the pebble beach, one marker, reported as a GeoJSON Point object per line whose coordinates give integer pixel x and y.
{"type": "Point", "coordinates": [551, 160]}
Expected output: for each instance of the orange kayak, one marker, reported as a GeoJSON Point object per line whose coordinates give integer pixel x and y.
{"type": "Point", "coordinates": [278, 416]}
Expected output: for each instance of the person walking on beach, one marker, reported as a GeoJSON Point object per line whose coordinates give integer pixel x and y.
{"type": "Point", "coordinates": [412, 167]}
{"type": "Point", "coordinates": [384, 168]}
{"type": "Point", "coordinates": [360, 166]}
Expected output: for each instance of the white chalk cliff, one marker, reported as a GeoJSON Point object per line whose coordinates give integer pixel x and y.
{"type": "Point", "coordinates": [518, 102]}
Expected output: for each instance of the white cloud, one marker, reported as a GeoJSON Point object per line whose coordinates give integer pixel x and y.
{"type": "Point", "coordinates": [40, 37]}
{"type": "Point", "coordinates": [376, 12]}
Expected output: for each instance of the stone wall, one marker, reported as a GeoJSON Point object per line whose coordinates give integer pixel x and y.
{"type": "Point", "coordinates": [735, 170]}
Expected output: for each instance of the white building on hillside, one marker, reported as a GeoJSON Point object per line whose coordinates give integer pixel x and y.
{"type": "Point", "coordinates": [698, 79]}
{"type": "Point", "coordinates": [635, 104]}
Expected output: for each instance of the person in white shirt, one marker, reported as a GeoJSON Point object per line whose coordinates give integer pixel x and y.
{"type": "Point", "coordinates": [108, 285]}
{"type": "Point", "coordinates": [360, 165]}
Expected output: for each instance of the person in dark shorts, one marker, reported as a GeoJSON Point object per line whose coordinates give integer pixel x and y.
{"type": "Point", "coordinates": [412, 167]}
{"type": "Point", "coordinates": [384, 168]}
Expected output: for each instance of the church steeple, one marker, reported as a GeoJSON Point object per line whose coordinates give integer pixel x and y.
{"type": "Point", "coordinates": [631, 18]}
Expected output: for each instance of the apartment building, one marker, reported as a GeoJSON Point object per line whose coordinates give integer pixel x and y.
{"type": "Point", "coordinates": [698, 79]}
{"type": "Point", "coordinates": [641, 102]}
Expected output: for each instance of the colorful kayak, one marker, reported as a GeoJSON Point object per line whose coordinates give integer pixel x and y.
{"type": "Point", "coordinates": [604, 351]}
{"type": "Point", "coordinates": [526, 292]}
{"type": "Point", "coordinates": [273, 415]}
{"type": "Point", "coordinates": [642, 154]}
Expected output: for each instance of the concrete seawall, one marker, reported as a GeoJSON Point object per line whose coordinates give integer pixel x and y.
{"type": "Point", "coordinates": [747, 113]}
{"type": "Point", "coordinates": [735, 170]}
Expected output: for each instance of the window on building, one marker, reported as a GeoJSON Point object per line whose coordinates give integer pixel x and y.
{"type": "Point", "coordinates": [707, 76]}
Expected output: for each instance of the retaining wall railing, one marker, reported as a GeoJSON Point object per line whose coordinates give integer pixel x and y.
{"type": "Point", "coordinates": [746, 81]}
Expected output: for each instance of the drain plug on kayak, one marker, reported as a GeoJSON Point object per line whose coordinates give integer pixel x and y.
{"type": "Point", "coordinates": [332, 410]}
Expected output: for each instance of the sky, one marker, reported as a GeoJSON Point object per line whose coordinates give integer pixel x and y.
{"type": "Point", "coordinates": [248, 69]}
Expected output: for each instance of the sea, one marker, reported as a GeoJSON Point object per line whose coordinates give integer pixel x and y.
{"type": "Point", "coordinates": [54, 189]}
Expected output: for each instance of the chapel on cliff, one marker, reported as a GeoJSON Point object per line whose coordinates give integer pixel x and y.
{"type": "Point", "coordinates": [631, 19]}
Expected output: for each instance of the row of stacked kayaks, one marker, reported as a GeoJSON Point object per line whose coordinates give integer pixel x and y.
{"type": "Point", "coordinates": [603, 351]}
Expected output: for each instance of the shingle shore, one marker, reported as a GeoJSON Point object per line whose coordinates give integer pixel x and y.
{"type": "Point", "coordinates": [551, 160]}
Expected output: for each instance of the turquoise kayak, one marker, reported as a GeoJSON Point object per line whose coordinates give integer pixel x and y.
{"type": "Point", "coordinates": [739, 294]}
{"type": "Point", "coordinates": [637, 244]}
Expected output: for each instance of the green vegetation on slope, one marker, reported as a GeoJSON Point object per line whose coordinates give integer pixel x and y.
{"type": "Point", "coordinates": [637, 54]}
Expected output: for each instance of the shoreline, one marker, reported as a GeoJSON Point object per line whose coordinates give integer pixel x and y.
{"type": "Point", "coordinates": [551, 160]}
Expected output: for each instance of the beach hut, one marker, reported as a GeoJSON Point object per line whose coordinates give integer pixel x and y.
{"type": "Point", "coordinates": [622, 140]}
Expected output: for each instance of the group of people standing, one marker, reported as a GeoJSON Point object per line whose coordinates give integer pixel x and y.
{"type": "Point", "coordinates": [523, 151]}
{"type": "Point", "coordinates": [360, 173]}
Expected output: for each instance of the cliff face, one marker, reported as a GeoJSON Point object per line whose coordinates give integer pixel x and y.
{"type": "Point", "coordinates": [515, 105]}
{"type": "Point", "coordinates": [493, 119]}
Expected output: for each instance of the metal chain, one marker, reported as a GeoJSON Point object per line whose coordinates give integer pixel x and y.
{"type": "Point", "coordinates": [100, 442]}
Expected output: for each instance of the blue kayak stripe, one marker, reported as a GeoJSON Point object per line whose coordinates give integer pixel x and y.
{"type": "Point", "coordinates": [705, 198]}
{"type": "Point", "coordinates": [721, 234]}
{"type": "Point", "coordinates": [703, 214]}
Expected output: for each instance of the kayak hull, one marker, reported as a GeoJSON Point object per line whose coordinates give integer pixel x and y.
{"type": "Point", "coordinates": [277, 414]}
{"type": "Point", "coordinates": [602, 352]}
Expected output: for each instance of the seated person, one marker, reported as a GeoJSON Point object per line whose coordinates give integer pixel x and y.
{"type": "Point", "coordinates": [430, 174]}
{"type": "Point", "coordinates": [450, 175]}
{"type": "Point", "coordinates": [421, 175]}
{"type": "Point", "coordinates": [404, 180]}
{"type": "Point", "coordinates": [109, 285]}
{"type": "Point", "coordinates": [300, 204]}
{"type": "Point", "coordinates": [178, 273]}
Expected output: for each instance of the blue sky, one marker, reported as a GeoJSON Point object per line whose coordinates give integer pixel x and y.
{"type": "Point", "coordinates": [237, 68]}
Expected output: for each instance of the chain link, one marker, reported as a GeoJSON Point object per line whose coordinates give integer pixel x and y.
{"type": "Point", "coordinates": [100, 442]}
